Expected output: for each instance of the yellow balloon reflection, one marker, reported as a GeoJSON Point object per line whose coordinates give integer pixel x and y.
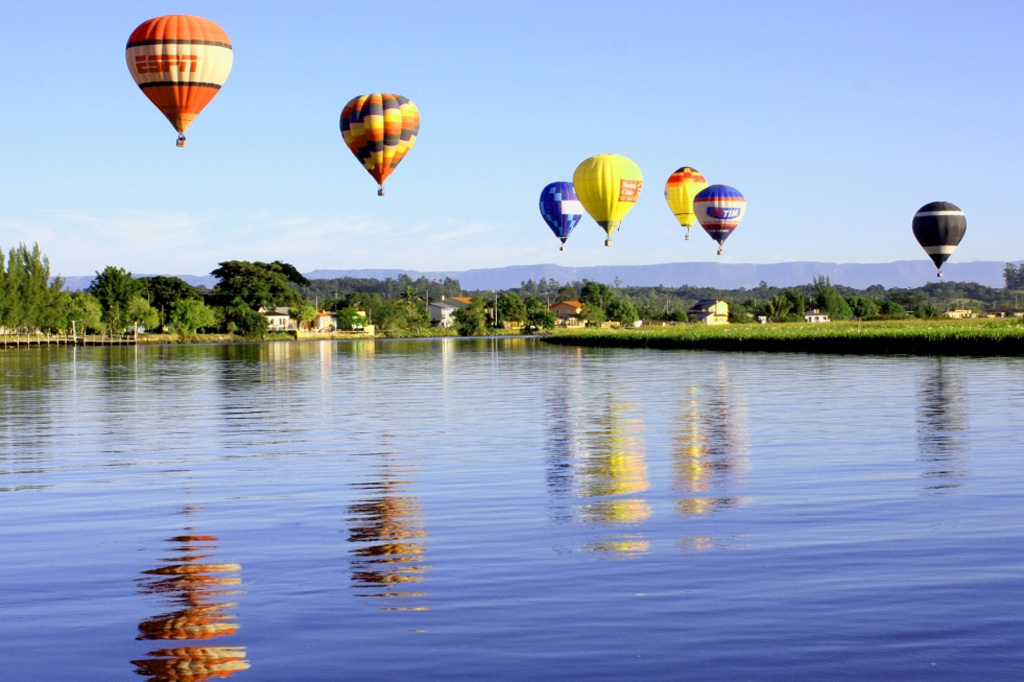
{"type": "Point", "coordinates": [387, 527]}
{"type": "Point", "coordinates": [611, 474]}
{"type": "Point", "coordinates": [198, 588]}
{"type": "Point", "coordinates": [710, 450]}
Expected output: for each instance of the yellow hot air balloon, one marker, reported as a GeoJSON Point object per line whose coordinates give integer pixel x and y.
{"type": "Point", "coordinates": [680, 189]}
{"type": "Point", "coordinates": [180, 62]}
{"type": "Point", "coordinates": [608, 185]}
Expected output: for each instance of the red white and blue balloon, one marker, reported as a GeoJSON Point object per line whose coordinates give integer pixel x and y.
{"type": "Point", "coordinates": [561, 209]}
{"type": "Point", "coordinates": [719, 210]}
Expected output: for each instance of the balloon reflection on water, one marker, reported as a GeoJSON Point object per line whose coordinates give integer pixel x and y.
{"type": "Point", "coordinates": [597, 470]}
{"type": "Point", "coordinates": [942, 421]}
{"type": "Point", "coordinates": [610, 477]}
{"type": "Point", "coordinates": [198, 589]}
{"type": "Point", "coordinates": [387, 527]}
{"type": "Point", "coordinates": [710, 451]}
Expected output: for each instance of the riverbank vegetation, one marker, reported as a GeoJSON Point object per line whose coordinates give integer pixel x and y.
{"type": "Point", "coordinates": [31, 300]}
{"type": "Point", "coordinates": [973, 337]}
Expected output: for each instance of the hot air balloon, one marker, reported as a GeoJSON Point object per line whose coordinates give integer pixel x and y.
{"type": "Point", "coordinates": [719, 208]}
{"type": "Point", "coordinates": [561, 209]}
{"type": "Point", "coordinates": [180, 62]}
{"type": "Point", "coordinates": [680, 189]}
{"type": "Point", "coordinates": [608, 186]}
{"type": "Point", "coordinates": [380, 129]}
{"type": "Point", "coordinates": [939, 227]}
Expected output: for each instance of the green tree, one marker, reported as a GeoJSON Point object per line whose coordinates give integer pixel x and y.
{"type": "Point", "coordinates": [592, 313]}
{"type": "Point", "coordinates": [829, 300]}
{"type": "Point", "coordinates": [471, 321]}
{"type": "Point", "coordinates": [162, 292]}
{"type": "Point", "coordinates": [1013, 276]}
{"type": "Point", "coordinates": [189, 315]}
{"type": "Point", "coordinates": [115, 288]}
{"type": "Point", "coordinates": [892, 309]}
{"type": "Point", "coordinates": [401, 316]}
{"type": "Point", "coordinates": [910, 299]}
{"type": "Point", "coordinates": [541, 318]}
{"type": "Point", "coordinates": [566, 292]}
{"type": "Point", "coordinates": [86, 312]}
{"type": "Point", "coordinates": [28, 299]}
{"type": "Point", "coordinates": [256, 284]}
{"type": "Point", "coordinates": [798, 303]}
{"type": "Point", "coordinates": [140, 313]}
{"type": "Point", "coordinates": [349, 318]}
{"type": "Point", "coordinates": [863, 308]}
{"type": "Point", "coordinates": [244, 320]}
{"type": "Point", "coordinates": [538, 314]}
{"type": "Point", "coordinates": [511, 308]}
{"type": "Point", "coordinates": [304, 313]}
{"type": "Point", "coordinates": [596, 293]}
{"type": "Point", "coordinates": [623, 312]}
{"type": "Point", "coordinates": [926, 311]}
{"type": "Point", "coordinates": [779, 308]}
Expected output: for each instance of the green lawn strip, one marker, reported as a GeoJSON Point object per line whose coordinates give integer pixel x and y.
{"type": "Point", "coordinates": [905, 337]}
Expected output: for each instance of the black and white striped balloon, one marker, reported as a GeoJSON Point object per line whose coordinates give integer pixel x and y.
{"type": "Point", "coordinates": [939, 227]}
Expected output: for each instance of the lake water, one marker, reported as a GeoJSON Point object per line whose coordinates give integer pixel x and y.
{"type": "Point", "coordinates": [500, 508]}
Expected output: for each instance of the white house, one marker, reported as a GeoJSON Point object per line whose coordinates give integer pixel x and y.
{"type": "Point", "coordinates": [278, 319]}
{"type": "Point", "coordinates": [816, 315]}
{"type": "Point", "coordinates": [441, 313]}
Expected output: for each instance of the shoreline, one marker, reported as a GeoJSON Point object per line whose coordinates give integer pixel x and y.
{"type": "Point", "coordinates": [988, 337]}
{"type": "Point", "coordinates": [980, 338]}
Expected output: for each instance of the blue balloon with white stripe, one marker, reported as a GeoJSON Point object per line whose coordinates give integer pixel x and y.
{"type": "Point", "coordinates": [561, 209]}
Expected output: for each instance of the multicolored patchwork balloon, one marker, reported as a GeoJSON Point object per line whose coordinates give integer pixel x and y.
{"type": "Point", "coordinates": [608, 186]}
{"type": "Point", "coordinates": [561, 209]}
{"type": "Point", "coordinates": [680, 189]}
{"type": "Point", "coordinates": [380, 128]}
{"type": "Point", "coordinates": [939, 227]}
{"type": "Point", "coordinates": [180, 62]}
{"type": "Point", "coordinates": [719, 209]}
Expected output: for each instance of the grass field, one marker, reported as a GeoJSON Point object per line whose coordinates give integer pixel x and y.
{"type": "Point", "coordinates": [901, 337]}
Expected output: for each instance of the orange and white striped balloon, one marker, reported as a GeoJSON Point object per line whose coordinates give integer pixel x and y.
{"type": "Point", "coordinates": [180, 62]}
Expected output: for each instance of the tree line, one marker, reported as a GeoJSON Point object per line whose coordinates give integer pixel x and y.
{"type": "Point", "coordinates": [116, 301]}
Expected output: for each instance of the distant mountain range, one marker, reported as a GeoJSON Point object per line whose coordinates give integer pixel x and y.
{"type": "Point", "coordinates": [902, 274]}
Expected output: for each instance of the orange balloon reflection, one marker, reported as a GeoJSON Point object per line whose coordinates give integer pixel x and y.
{"type": "Point", "coordinates": [198, 588]}
{"type": "Point", "coordinates": [387, 527]}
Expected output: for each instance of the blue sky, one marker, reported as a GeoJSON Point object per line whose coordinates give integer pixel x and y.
{"type": "Point", "coordinates": [837, 121]}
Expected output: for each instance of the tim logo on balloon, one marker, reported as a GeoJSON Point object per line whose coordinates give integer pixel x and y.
{"type": "Point", "coordinates": [163, 63]}
{"type": "Point", "coordinates": [720, 213]}
{"type": "Point", "coordinates": [629, 190]}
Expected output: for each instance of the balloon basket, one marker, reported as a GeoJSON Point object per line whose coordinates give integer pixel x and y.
{"type": "Point", "coordinates": [719, 252]}
{"type": "Point", "coordinates": [687, 237]}
{"type": "Point", "coordinates": [607, 242]}
{"type": "Point", "coordinates": [380, 191]}
{"type": "Point", "coordinates": [562, 248]}
{"type": "Point", "coordinates": [181, 141]}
